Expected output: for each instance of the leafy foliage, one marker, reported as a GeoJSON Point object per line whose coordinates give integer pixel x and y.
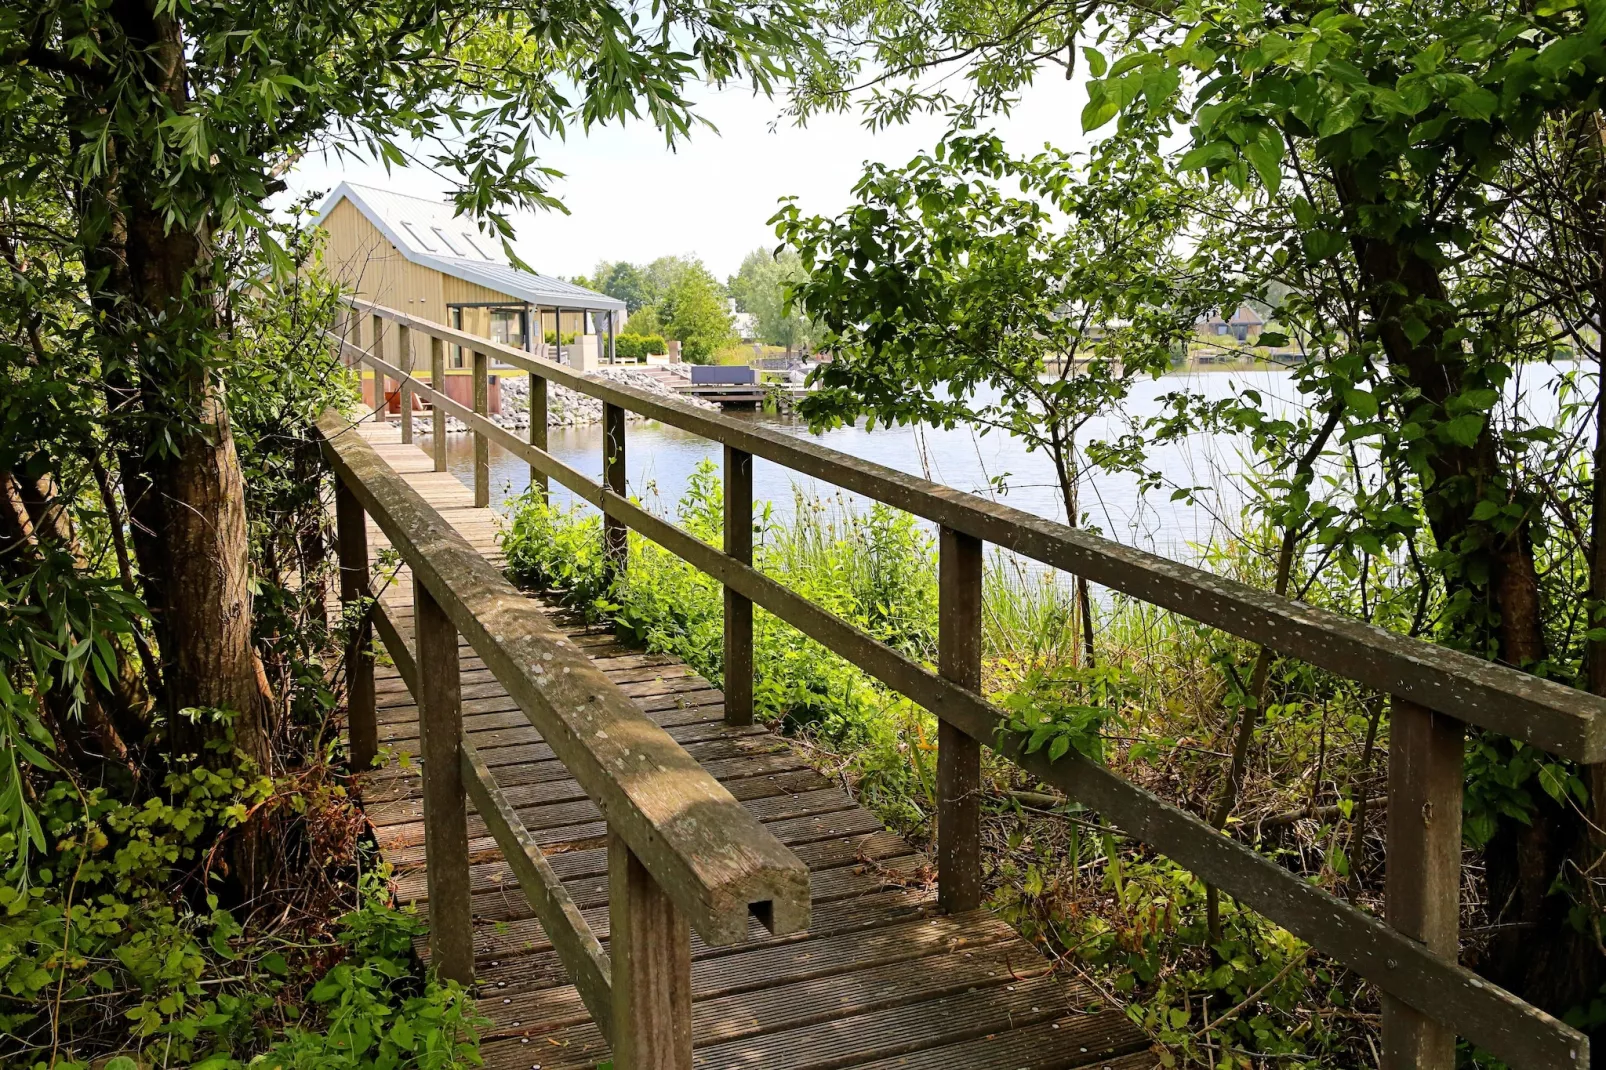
{"type": "Point", "coordinates": [760, 287]}
{"type": "Point", "coordinates": [98, 937]}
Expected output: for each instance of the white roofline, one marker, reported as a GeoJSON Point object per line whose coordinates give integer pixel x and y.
{"type": "Point", "coordinates": [464, 269]}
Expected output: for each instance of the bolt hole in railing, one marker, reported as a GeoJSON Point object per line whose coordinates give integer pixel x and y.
{"type": "Point", "coordinates": [1410, 955]}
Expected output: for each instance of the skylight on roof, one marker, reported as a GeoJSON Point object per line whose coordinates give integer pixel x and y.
{"type": "Point", "coordinates": [442, 234]}
{"type": "Point", "coordinates": [472, 244]}
{"type": "Point", "coordinates": [419, 238]}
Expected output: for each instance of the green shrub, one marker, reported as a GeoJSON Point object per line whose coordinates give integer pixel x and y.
{"type": "Point", "coordinates": [98, 954]}
{"type": "Point", "coordinates": [636, 346]}
{"type": "Point", "coordinates": [876, 569]}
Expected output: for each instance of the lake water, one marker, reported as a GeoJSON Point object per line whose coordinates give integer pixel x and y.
{"type": "Point", "coordinates": [659, 458]}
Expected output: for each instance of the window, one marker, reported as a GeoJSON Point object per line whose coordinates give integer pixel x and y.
{"type": "Point", "coordinates": [472, 244]}
{"type": "Point", "coordinates": [419, 238]}
{"type": "Point", "coordinates": [507, 327]}
{"type": "Point", "coordinates": [459, 358]}
{"type": "Point", "coordinates": [445, 240]}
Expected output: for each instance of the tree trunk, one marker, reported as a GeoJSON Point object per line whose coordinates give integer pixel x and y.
{"type": "Point", "coordinates": [1544, 959]}
{"type": "Point", "coordinates": [186, 501]}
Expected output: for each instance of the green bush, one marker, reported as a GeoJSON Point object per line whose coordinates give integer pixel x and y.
{"type": "Point", "coordinates": [99, 955]}
{"type": "Point", "coordinates": [876, 569]}
{"type": "Point", "coordinates": [636, 346]}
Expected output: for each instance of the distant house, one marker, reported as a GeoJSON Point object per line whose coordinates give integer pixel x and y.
{"type": "Point", "coordinates": [1245, 325]}
{"type": "Point", "coordinates": [416, 256]}
{"type": "Point", "coordinates": [744, 324]}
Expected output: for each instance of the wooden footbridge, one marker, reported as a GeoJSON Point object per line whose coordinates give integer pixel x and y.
{"type": "Point", "coordinates": [628, 870]}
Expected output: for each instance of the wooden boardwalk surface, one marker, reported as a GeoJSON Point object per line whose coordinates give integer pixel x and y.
{"type": "Point", "coordinates": [882, 978]}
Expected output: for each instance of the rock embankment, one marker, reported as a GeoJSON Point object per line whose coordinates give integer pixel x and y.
{"type": "Point", "coordinates": [570, 408]}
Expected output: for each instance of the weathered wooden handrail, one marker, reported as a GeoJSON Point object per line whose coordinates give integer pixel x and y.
{"type": "Point", "coordinates": [1427, 993]}
{"type": "Point", "coordinates": [688, 854]}
{"type": "Point", "coordinates": [1543, 713]}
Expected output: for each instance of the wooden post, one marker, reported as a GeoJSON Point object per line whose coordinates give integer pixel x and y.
{"type": "Point", "coordinates": [615, 535]}
{"type": "Point", "coordinates": [958, 756]}
{"type": "Point", "coordinates": [437, 379]}
{"type": "Point", "coordinates": [738, 610]}
{"type": "Point", "coordinates": [351, 535]}
{"type": "Point", "coordinates": [346, 323]}
{"type": "Point", "coordinates": [381, 406]}
{"type": "Point", "coordinates": [538, 429]}
{"type": "Point", "coordinates": [650, 949]}
{"type": "Point", "coordinates": [440, 722]}
{"type": "Point", "coordinates": [482, 446]}
{"type": "Point", "coordinates": [1422, 893]}
{"type": "Point", "coordinates": [404, 361]}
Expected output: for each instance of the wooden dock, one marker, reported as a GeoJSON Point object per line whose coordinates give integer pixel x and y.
{"type": "Point", "coordinates": [882, 978]}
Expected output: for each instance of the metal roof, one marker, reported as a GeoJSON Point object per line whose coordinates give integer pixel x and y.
{"type": "Point", "coordinates": [430, 233]}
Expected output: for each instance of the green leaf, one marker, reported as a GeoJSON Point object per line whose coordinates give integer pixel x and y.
{"type": "Point", "coordinates": [1486, 510]}
{"type": "Point", "coordinates": [1098, 112]}
{"type": "Point", "coordinates": [1362, 402]}
{"type": "Point", "coordinates": [1553, 778]}
{"type": "Point", "coordinates": [1204, 155]}
{"type": "Point", "coordinates": [1463, 430]}
{"type": "Point", "coordinates": [1096, 63]}
{"type": "Point", "coordinates": [121, 1062]}
{"type": "Point", "coordinates": [1265, 151]}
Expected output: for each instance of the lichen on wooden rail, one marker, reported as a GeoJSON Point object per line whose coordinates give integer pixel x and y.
{"type": "Point", "coordinates": [710, 855]}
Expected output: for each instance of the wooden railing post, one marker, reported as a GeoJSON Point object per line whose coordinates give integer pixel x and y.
{"type": "Point", "coordinates": [345, 330]}
{"type": "Point", "coordinates": [381, 404]}
{"type": "Point", "coordinates": [1422, 893]}
{"type": "Point", "coordinates": [351, 535]}
{"type": "Point", "coordinates": [482, 446]}
{"type": "Point", "coordinates": [650, 949]}
{"type": "Point", "coordinates": [404, 361]}
{"type": "Point", "coordinates": [959, 618]}
{"type": "Point", "coordinates": [615, 535]}
{"type": "Point", "coordinates": [538, 416]}
{"type": "Point", "coordinates": [440, 722]}
{"type": "Point", "coordinates": [437, 380]}
{"type": "Point", "coordinates": [738, 610]}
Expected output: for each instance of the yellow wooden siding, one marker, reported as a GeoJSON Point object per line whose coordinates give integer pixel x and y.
{"type": "Point", "coordinates": [458, 292]}
{"type": "Point", "coordinates": [364, 259]}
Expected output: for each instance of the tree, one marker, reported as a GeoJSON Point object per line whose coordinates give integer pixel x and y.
{"type": "Point", "coordinates": [993, 312]}
{"type": "Point", "coordinates": [760, 288]}
{"type": "Point", "coordinates": [1426, 181]}
{"type": "Point", "coordinates": [693, 309]}
{"type": "Point", "coordinates": [625, 281]}
{"type": "Point", "coordinates": [133, 163]}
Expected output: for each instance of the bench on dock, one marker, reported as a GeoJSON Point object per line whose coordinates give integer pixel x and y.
{"type": "Point", "coordinates": [683, 848]}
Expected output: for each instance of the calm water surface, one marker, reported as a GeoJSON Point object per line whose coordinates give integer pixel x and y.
{"type": "Point", "coordinates": [659, 458]}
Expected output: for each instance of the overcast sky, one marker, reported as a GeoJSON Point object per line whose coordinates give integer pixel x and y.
{"type": "Point", "coordinates": [630, 198]}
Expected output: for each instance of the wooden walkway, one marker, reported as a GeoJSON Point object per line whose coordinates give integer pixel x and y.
{"type": "Point", "coordinates": [882, 978]}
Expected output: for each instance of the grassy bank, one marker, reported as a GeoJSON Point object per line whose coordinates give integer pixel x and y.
{"type": "Point", "coordinates": [1159, 703]}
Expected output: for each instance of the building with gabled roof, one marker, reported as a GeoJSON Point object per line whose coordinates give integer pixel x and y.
{"type": "Point", "coordinates": [417, 256]}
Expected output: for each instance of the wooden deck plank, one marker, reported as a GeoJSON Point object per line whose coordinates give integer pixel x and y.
{"type": "Point", "coordinates": [882, 978]}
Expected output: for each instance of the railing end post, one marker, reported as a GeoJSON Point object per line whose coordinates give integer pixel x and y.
{"type": "Point", "coordinates": [650, 950]}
